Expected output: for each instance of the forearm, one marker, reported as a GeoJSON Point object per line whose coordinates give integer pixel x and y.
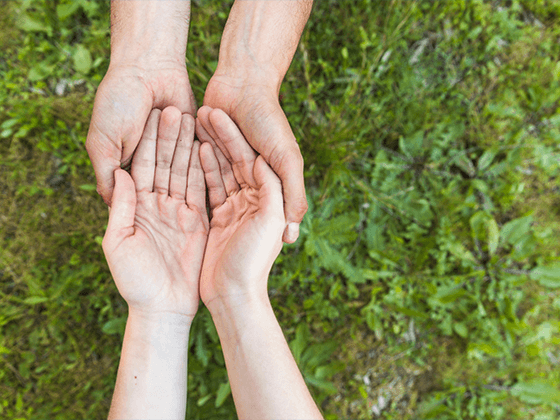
{"type": "Point", "coordinates": [152, 376]}
{"type": "Point", "coordinates": [261, 37]}
{"type": "Point", "coordinates": [265, 380]}
{"type": "Point", "coordinates": [148, 30]}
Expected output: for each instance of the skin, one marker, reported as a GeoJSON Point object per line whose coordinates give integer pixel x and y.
{"type": "Point", "coordinates": [147, 71]}
{"type": "Point", "coordinates": [164, 255]}
{"type": "Point", "coordinates": [154, 245]}
{"type": "Point", "coordinates": [257, 47]}
{"type": "Point", "coordinates": [244, 240]}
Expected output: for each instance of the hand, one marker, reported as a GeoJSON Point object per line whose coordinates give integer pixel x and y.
{"type": "Point", "coordinates": [247, 216]}
{"type": "Point", "coordinates": [125, 98]}
{"type": "Point", "coordinates": [158, 225]}
{"type": "Point", "coordinates": [253, 105]}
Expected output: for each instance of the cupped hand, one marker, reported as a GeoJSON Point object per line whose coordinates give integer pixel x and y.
{"type": "Point", "coordinates": [123, 102]}
{"type": "Point", "coordinates": [158, 223]}
{"type": "Point", "coordinates": [254, 107]}
{"type": "Point", "coordinates": [247, 217]}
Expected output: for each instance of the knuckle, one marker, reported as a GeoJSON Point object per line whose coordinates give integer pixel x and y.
{"type": "Point", "coordinates": [164, 164]}
{"type": "Point", "coordinates": [104, 193]}
{"type": "Point", "coordinates": [300, 206]}
{"type": "Point", "coordinates": [286, 158]}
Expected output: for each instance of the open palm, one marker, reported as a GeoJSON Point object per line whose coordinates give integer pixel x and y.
{"type": "Point", "coordinates": [247, 214]}
{"type": "Point", "coordinates": [158, 226]}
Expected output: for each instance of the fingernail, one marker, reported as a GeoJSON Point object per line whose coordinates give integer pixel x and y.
{"type": "Point", "coordinates": [293, 231]}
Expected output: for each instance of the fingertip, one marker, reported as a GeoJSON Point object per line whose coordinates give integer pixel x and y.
{"type": "Point", "coordinates": [205, 150]}
{"type": "Point", "coordinates": [204, 109]}
{"type": "Point", "coordinates": [187, 129]}
{"type": "Point", "coordinates": [172, 112]}
{"type": "Point", "coordinates": [153, 120]}
{"type": "Point", "coordinates": [291, 233]}
{"type": "Point", "coordinates": [106, 193]}
{"type": "Point", "coordinates": [216, 114]}
{"type": "Point", "coordinates": [123, 180]}
{"type": "Point", "coordinates": [121, 213]}
{"type": "Point", "coordinates": [188, 121]}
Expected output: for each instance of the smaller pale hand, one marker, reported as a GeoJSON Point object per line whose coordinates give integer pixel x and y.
{"type": "Point", "coordinates": [247, 216]}
{"type": "Point", "coordinates": [158, 224]}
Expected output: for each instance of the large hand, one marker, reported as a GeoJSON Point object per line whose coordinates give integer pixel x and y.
{"type": "Point", "coordinates": [158, 225]}
{"type": "Point", "coordinates": [254, 107]}
{"type": "Point", "coordinates": [247, 216]}
{"type": "Point", "coordinates": [123, 102]}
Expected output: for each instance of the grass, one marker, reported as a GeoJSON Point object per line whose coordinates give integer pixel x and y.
{"type": "Point", "coordinates": [425, 282]}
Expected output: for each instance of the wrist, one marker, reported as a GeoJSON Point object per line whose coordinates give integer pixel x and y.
{"type": "Point", "coordinates": [236, 316]}
{"type": "Point", "coordinates": [159, 327]}
{"type": "Point", "coordinates": [235, 305]}
{"type": "Point", "coordinates": [149, 33]}
{"type": "Point", "coordinates": [260, 39]}
{"type": "Point", "coordinates": [238, 71]}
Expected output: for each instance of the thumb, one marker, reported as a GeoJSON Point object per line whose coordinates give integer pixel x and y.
{"type": "Point", "coordinates": [121, 215]}
{"type": "Point", "coordinates": [279, 147]}
{"type": "Point", "coordinates": [289, 167]}
{"type": "Point", "coordinates": [270, 189]}
{"type": "Point", "coordinates": [105, 157]}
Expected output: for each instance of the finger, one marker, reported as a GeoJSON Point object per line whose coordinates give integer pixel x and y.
{"type": "Point", "coordinates": [226, 170]}
{"type": "Point", "coordinates": [203, 116]}
{"type": "Point", "coordinates": [144, 161]}
{"type": "Point", "coordinates": [180, 165]}
{"type": "Point", "coordinates": [121, 215]}
{"type": "Point", "coordinates": [196, 188]}
{"type": "Point", "coordinates": [216, 190]}
{"type": "Point", "coordinates": [289, 167]}
{"type": "Point", "coordinates": [105, 157]}
{"type": "Point", "coordinates": [242, 154]}
{"type": "Point", "coordinates": [270, 189]}
{"type": "Point", "coordinates": [168, 132]}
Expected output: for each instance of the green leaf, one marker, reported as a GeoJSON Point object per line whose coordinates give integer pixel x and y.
{"type": "Point", "coordinates": [484, 348]}
{"type": "Point", "coordinates": [200, 349]}
{"type": "Point", "coordinates": [493, 235]}
{"type": "Point", "coordinates": [460, 329]}
{"type": "Point", "coordinates": [466, 165]}
{"type": "Point", "coordinates": [486, 159]}
{"type": "Point", "coordinates": [87, 187]}
{"type": "Point", "coordinates": [9, 123]}
{"type": "Point", "coordinates": [203, 400]}
{"type": "Point", "coordinates": [82, 59]}
{"type": "Point", "coordinates": [410, 312]}
{"type": "Point", "coordinates": [33, 24]}
{"type": "Point", "coordinates": [413, 145]}
{"type": "Point", "coordinates": [328, 371]}
{"type": "Point", "coordinates": [450, 294]}
{"type": "Point", "coordinates": [115, 326]}
{"type": "Point", "coordinates": [514, 231]}
{"type": "Point", "coordinates": [33, 300]}
{"type": "Point", "coordinates": [65, 10]}
{"type": "Point", "coordinates": [223, 392]}
{"type": "Point", "coordinates": [299, 344]}
{"type": "Point", "coordinates": [318, 354]}
{"type": "Point", "coordinates": [547, 276]}
{"type": "Point", "coordinates": [458, 250]}
{"type": "Point", "coordinates": [321, 384]}
{"type": "Point", "coordinates": [536, 392]}
{"type": "Point", "coordinates": [40, 71]}
{"type": "Point", "coordinates": [6, 133]}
